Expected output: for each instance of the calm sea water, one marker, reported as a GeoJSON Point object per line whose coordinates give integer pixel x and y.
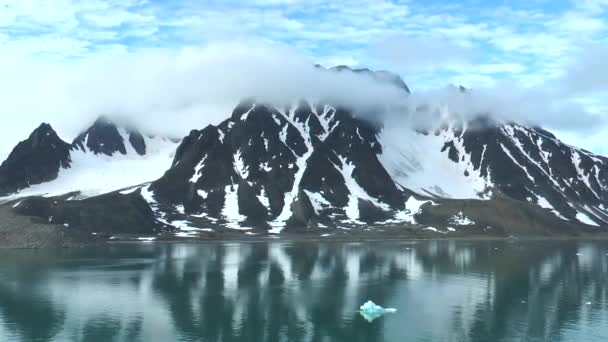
{"type": "Point", "coordinates": [443, 290]}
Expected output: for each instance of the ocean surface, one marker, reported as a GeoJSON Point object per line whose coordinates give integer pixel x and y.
{"type": "Point", "coordinates": [308, 291]}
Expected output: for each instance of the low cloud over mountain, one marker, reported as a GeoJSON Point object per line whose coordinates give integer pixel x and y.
{"type": "Point", "coordinates": [171, 91]}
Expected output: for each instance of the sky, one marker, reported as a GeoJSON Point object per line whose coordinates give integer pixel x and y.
{"type": "Point", "coordinates": [181, 63]}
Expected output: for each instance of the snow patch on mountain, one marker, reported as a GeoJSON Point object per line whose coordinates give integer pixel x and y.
{"type": "Point", "coordinates": [246, 114]}
{"type": "Point", "coordinates": [543, 203]}
{"type": "Point", "coordinates": [461, 220]}
{"type": "Point", "coordinates": [576, 160]}
{"type": "Point", "coordinates": [197, 170]}
{"type": "Point", "coordinates": [412, 208]}
{"type": "Point", "coordinates": [239, 165]}
{"type": "Point", "coordinates": [186, 228]}
{"type": "Point", "coordinates": [584, 218]}
{"type": "Point", "coordinates": [317, 200]}
{"type": "Point", "coordinates": [416, 161]}
{"type": "Point", "coordinates": [148, 196]}
{"type": "Point", "coordinates": [95, 174]}
{"type": "Point", "coordinates": [356, 192]}
{"type": "Point", "coordinates": [508, 153]}
{"type": "Point", "coordinates": [301, 162]}
{"type": "Point", "coordinates": [202, 193]}
{"type": "Point", "coordinates": [230, 210]}
{"type": "Point", "coordinates": [509, 132]}
{"type": "Point", "coordinates": [263, 198]}
{"type": "Point", "coordinates": [129, 191]}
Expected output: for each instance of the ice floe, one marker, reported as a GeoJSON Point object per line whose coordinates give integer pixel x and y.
{"type": "Point", "coordinates": [371, 311]}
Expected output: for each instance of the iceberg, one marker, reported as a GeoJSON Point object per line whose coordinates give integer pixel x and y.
{"type": "Point", "coordinates": [370, 311]}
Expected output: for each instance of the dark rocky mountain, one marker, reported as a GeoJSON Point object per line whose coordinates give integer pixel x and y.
{"type": "Point", "coordinates": [316, 166]}
{"type": "Point", "coordinates": [311, 167]}
{"type": "Point", "coordinates": [531, 164]}
{"type": "Point", "coordinates": [34, 160]}
{"type": "Point", "coordinates": [105, 137]}
{"type": "Point", "coordinates": [379, 75]}
{"type": "Point", "coordinates": [40, 158]}
{"type": "Point", "coordinates": [282, 166]}
{"type": "Point", "coordinates": [106, 214]}
{"type": "Point", "coordinates": [524, 163]}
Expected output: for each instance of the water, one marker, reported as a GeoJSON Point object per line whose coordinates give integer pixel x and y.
{"type": "Point", "coordinates": [443, 290]}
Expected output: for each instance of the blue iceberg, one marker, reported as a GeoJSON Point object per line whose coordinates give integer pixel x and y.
{"type": "Point", "coordinates": [370, 311]}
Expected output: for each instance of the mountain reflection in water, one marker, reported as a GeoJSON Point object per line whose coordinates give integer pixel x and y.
{"type": "Point", "coordinates": [443, 290]}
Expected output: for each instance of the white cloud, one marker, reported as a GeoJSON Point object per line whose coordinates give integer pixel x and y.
{"type": "Point", "coordinates": [418, 53]}
{"type": "Point", "coordinates": [77, 58]}
{"type": "Point", "coordinates": [579, 23]}
{"type": "Point", "coordinates": [509, 102]}
{"type": "Point", "coordinates": [339, 60]}
{"type": "Point", "coordinates": [514, 68]}
{"type": "Point", "coordinates": [592, 6]}
{"type": "Point", "coordinates": [117, 18]}
{"type": "Point", "coordinates": [169, 91]}
{"type": "Point", "coordinates": [172, 91]}
{"type": "Point", "coordinates": [472, 80]}
{"type": "Point", "coordinates": [52, 46]}
{"type": "Point", "coordinates": [587, 73]}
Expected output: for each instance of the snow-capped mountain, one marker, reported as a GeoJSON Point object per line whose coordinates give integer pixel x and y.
{"type": "Point", "coordinates": [104, 158]}
{"type": "Point", "coordinates": [274, 166]}
{"type": "Point", "coordinates": [35, 160]}
{"type": "Point", "coordinates": [104, 137]}
{"type": "Point", "coordinates": [379, 75]}
{"type": "Point", "coordinates": [314, 167]}
{"type": "Point", "coordinates": [480, 158]}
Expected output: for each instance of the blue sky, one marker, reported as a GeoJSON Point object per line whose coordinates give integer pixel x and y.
{"type": "Point", "coordinates": [535, 44]}
{"type": "Point", "coordinates": [471, 42]}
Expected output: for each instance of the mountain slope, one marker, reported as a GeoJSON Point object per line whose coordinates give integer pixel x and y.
{"type": "Point", "coordinates": [273, 166]}
{"type": "Point", "coordinates": [104, 158]}
{"type": "Point", "coordinates": [35, 160]}
{"type": "Point", "coordinates": [482, 158]}
{"type": "Point", "coordinates": [313, 165]}
{"type": "Point", "coordinates": [379, 75]}
{"type": "Point", "coordinates": [105, 137]}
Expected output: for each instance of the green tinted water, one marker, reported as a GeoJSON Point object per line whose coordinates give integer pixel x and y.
{"type": "Point", "coordinates": [443, 290]}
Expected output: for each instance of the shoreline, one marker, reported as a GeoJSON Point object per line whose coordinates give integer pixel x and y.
{"type": "Point", "coordinates": [25, 232]}
{"type": "Point", "coordinates": [305, 239]}
{"type": "Point", "coordinates": [317, 239]}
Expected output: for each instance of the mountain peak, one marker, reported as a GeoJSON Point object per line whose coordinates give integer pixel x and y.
{"type": "Point", "coordinates": [106, 137]}
{"type": "Point", "coordinates": [44, 127]}
{"type": "Point", "coordinates": [263, 164]}
{"type": "Point", "coordinates": [379, 75]}
{"type": "Point", "coordinates": [34, 160]}
{"type": "Point", "coordinates": [43, 133]}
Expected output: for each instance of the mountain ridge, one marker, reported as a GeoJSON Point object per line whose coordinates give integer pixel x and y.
{"type": "Point", "coordinates": [100, 146]}
{"type": "Point", "coordinates": [314, 168]}
{"type": "Point", "coordinates": [34, 160]}
{"type": "Point", "coordinates": [361, 188]}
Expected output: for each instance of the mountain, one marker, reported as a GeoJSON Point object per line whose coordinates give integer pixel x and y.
{"type": "Point", "coordinates": [483, 158]}
{"type": "Point", "coordinates": [378, 75]}
{"type": "Point", "coordinates": [35, 160]}
{"type": "Point", "coordinates": [317, 169]}
{"type": "Point", "coordinates": [103, 158]}
{"type": "Point", "coordinates": [271, 166]}
{"type": "Point", "coordinates": [105, 137]}
{"type": "Point", "coordinates": [316, 166]}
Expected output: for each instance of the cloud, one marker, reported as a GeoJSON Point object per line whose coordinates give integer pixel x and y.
{"type": "Point", "coordinates": [587, 73]}
{"type": "Point", "coordinates": [420, 53]}
{"type": "Point", "coordinates": [67, 61]}
{"type": "Point", "coordinates": [170, 91]}
{"type": "Point", "coordinates": [508, 102]}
